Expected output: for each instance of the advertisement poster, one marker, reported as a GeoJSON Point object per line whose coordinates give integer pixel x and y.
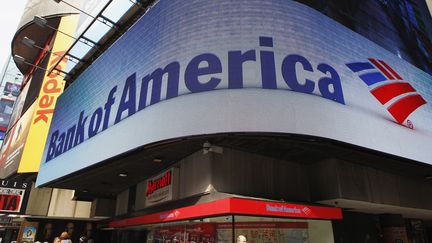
{"type": "Point", "coordinates": [52, 86]}
{"type": "Point", "coordinates": [6, 107]}
{"type": "Point", "coordinates": [13, 196]}
{"type": "Point", "coordinates": [19, 105]}
{"type": "Point", "coordinates": [29, 233]}
{"type": "Point", "coordinates": [12, 88]}
{"type": "Point", "coordinates": [13, 145]}
{"type": "Point", "coordinates": [198, 233]}
{"type": "Point", "coordinates": [265, 232]}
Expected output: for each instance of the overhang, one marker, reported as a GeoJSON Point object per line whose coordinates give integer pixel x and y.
{"type": "Point", "coordinates": [234, 206]}
{"type": "Point", "coordinates": [38, 34]}
{"type": "Point", "coordinates": [51, 11]}
{"type": "Point", "coordinates": [103, 179]}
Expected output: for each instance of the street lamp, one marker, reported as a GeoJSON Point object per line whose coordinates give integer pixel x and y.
{"type": "Point", "coordinates": [21, 60]}
{"type": "Point", "coordinates": [32, 44]}
{"type": "Point", "coordinates": [42, 22]}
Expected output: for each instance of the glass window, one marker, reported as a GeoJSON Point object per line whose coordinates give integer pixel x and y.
{"type": "Point", "coordinates": [281, 230]}
{"type": "Point", "coordinates": [205, 230]}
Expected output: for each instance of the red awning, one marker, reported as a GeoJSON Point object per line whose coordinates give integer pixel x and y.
{"type": "Point", "coordinates": [234, 206]}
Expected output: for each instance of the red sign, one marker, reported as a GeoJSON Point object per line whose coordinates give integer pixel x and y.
{"type": "Point", "coordinates": [10, 203]}
{"type": "Point", "coordinates": [12, 195]}
{"type": "Point", "coordinates": [159, 183]}
{"type": "Point", "coordinates": [235, 206]}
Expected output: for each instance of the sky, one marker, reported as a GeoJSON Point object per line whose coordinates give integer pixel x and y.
{"type": "Point", "coordinates": [9, 18]}
{"type": "Point", "coordinates": [429, 3]}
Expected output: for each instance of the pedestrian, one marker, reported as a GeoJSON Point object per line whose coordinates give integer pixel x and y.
{"type": "Point", "coordinates": [241, 239]}
{"type": "Point", "coordinates": [65, 238]}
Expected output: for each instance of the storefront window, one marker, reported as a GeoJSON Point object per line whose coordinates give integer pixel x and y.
{"type": "Point", "coordinates": [205, 230]}
{"type": "Point", "coordinates": [281, 230]}
{"type": "Point", "coordinates": [248, 229]}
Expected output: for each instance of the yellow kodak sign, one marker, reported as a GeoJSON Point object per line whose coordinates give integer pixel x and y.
{"type": "Point", "coordinates": [52, 86]}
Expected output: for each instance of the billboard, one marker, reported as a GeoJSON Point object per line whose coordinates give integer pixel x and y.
{"type": "Point", "coordinates": [19, 105]}
{"type": "Point", "coordinates": [52, 86]}
{"type": "Point", "coordinates": [6, 107]}
{"type": "Point", "coordinates": [190, 68]}
{"type": "Point", "coordinates": [13, 144]}
{"type": "Point", "coordinates": [25, 140]}
{"type": "Point", "coordinates": [13, 196]}
{"type": "Point", "coordinates": [12, 88]}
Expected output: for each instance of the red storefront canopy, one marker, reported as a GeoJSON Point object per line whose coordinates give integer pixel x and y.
{"type": "Point", "coordinates": [234, 206]}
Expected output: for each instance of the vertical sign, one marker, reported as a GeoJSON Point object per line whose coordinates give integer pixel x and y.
{"type": "Point", "coordinates": [15, 140]}
{"type": "Point", "coordinates": [52, 87]}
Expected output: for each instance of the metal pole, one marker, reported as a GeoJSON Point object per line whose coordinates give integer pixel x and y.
{"type": "Point", "coordinates": [233, 228]}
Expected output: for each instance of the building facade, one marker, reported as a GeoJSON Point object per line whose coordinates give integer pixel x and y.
{"type": "Point", "coordinates": [234, 121]}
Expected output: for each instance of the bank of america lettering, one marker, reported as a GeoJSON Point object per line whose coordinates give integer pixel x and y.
{"type": "Point", "coordinates": [388, 87]}
{"type": "Point", "coordinates": [136, 93]}
{"type": "Point", "coordinates": [132, 97]}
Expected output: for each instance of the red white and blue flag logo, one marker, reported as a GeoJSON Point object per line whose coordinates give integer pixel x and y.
{"type": "Point", "coordinates": [388, 87]}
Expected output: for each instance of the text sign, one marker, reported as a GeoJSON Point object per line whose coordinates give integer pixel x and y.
{"type": "Point", "coordinates": [12, 195]}
{"type": "Point", "coordinates": [160, 188]}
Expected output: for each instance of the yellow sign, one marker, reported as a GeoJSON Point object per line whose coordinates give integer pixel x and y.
{"type": "Point", "coordinates": [52, 87]}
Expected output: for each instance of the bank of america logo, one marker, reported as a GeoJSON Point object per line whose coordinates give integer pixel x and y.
{"type": "Point", "coordinates": [388, 87]}
{"type": "Point", "coordinates": [307, 210]}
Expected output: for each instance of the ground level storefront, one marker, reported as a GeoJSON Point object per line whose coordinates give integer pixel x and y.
{"type": "Point", "coordinates": [8, 234]}
{"type": "Point", "coordinates": [204, 191]}
{"type": "Point", "coordinates": [231, 220]}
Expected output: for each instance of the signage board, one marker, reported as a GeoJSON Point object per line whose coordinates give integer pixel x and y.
{"type": "Point", "coordinates": [13, 144]}
{"type": "Point", "coordinates": [6, 107]}
{"type": "Point", "coordinates": [162, 187]}
{"type": "Point", "coordinates": [231, 206]}
{"type": "Point", "coordinates": [286, 68]}
{"type": "Point", "coordinates": [27, 231]}
{"type": "Point", "coordinates": [19, 105]}
{"type": "Point", "coordinates": [12, 88]}
{"type": "Point", "coordinates": [25, 139]}
{"type": "Point", "coordinates": [52, 86]}
{"type": "Point", "coordinates": [13, 196]}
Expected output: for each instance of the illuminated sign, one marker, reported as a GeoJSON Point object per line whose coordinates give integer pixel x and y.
{"type": "Point", "coordinates": [87, 126]}
{"type": "Point", "coordinates": [159, 183]}
{"type": "Point", "coordinates": [12, 150]}
{"type": "Point", "coordinates": [230, 206]}
{"type": "Point", "coordinates": [161, 188]}
{"type": "Point", "coordinates": [283, 68]}
{"type": "Point", "coordinates": [52, 87]}
{"type": "Point", "coordinates": [12, 196]}
{"type": "Point", "coordinates": [12, 88]}
{"type": "Point", "coordinates": [6, 107]}
{"type": "Point", "coordinates": [387, 85]}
